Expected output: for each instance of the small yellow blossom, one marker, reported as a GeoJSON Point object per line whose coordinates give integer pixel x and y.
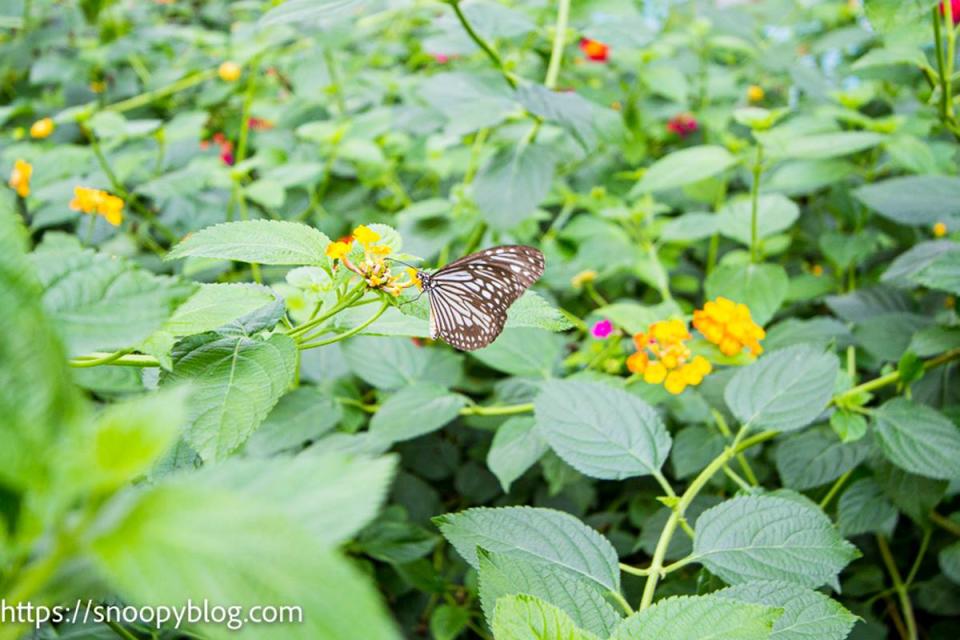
{"type": "Point", "coordinates": [662, 357]}
{"type": "Point", "coordinates": [583, 278]}
{"type": "Point", "coordinates": [939, 230]}
{"type": "Point", "coordinates": [95, 201]}
{"type": "Point", "coordinates": [20, 178]}
{"type": "Point", "coordinates": [729, 326]}
{"type": "Point", "coordinates": [950, 302]}
{"type": "Point", "coordinates": [98, 86]}
{"type": "Point", "coordinates": [229, 71]}
{"type": "Point", "coordinates": [414, 278]}
{"type": "Point", "coordinates": [42, 128]}
{"type": "Point", "coordinates": [380, 250]}
{"type": "Point", "coordinates": [365, 235]}
{"type": "Point", "coordinates": [755, 93]}
{"type": "Point", "coordinates": [816, 270]}
{"type": "Point", "coordinates": [337, 250]}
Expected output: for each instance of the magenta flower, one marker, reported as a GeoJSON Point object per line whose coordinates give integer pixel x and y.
{"type": "Point", "coordinates": [602, 329]}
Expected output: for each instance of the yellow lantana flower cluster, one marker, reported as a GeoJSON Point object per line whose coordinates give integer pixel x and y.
{"type": "Point", "coordinates": [730, 326]}
{"type": "Point", "coordinates": [663, 356]}
{"type": "Point", "coordinates": [20, 178]}
{"type": "Point", "coordinates": [95, 201]}
{"type": "Point", "coordinates": [373, 268]}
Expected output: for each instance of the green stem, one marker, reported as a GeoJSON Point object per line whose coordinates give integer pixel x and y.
{"type": "Point", "coordinates": [893, 377]}
{"type": "Point", "coordinates": [559, 39]}
{"type": "Point", "coordinates": [924, 544]}
{"type": "Point", "coordinates": [334, 73]}
{"type": "Point", "coordinates": [842, 480]}
{"type": "Point", "coordinates": [96, 362]}
{"type": "Point", "coordinates": [505, 410]}
{"type": "Point", "coordinates": [755, 205]}
{"type": "Point", "coordinates": [494, 57]}
{"type": "Point", "coordinates": [352, 332]}
{"type": "Point", "coordinates": [656, 565]}
{"type": "Point", "coordinates": [945, 523]}
{"type": "Point", "coordinates": [348, 299]}
{"type": "Point", "coordinates": [620, 600]}
{"type": "Point", "coordinates": [902, 593]}
{"type": "Point", "coordinates": [147, 97]}
{"type": "Point", "coordinates": [636, 571]}
{"type": "Point", "coordinates": [121, 631]}
{"type": "Point", "coordinates": [129, 360]}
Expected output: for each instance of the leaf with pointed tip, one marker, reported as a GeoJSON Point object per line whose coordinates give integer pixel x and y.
{"type": "Point", "coordinates": [707, 617]}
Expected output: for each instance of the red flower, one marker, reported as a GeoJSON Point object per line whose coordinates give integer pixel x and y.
{"type": "Point", "coordinates": [954, 9]}
{"type": "Point", "coordinates": [259, 124]}
{"type": "Point", "coordinates": [594, 50]}
{"type": "Point", "coordinates": [683, 124]}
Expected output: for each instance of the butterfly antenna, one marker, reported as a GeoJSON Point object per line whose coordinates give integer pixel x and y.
{"type": "Point", "coordinates": [414, 300]}
{"type": "Point", "coordinates": [407, 264]}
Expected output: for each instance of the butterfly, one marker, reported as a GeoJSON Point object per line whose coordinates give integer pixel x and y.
{"type": "Point", "coordinates": [469, 297]}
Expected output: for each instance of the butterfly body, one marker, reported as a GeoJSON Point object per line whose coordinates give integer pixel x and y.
{"type": "Point", "coordinates": [469, 297]}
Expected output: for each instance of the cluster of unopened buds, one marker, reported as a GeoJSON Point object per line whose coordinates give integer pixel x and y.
{"type": "Point", "coordinates": [373, 268]}
{"type": "Point", "coordinates": [663, 356]}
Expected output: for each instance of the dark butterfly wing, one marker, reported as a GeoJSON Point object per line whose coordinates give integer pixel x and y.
{"type": "Point", "coordinates": [470, 297]}
{"type": "Point", "coordinates": [525, 263]}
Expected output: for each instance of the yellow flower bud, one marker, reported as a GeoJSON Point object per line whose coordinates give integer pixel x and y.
{"type": "Point", "coordinates": [42, 128]}
{"type": "Point", "coordinates": [229, 71]}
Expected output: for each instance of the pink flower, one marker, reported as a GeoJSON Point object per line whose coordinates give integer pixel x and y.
{"type": "Point", "coordinates": [441, 58]}
{"type": "Point", "coordinates": [682, 124]}
{"type": "Point", "coordinates": [602, 329]}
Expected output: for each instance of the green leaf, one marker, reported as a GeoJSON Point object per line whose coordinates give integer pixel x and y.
{"type": "Point", "coordinates": [816, 457]}
{"type": "Point", "coordinates": [581, 599]}
{"type": "Point", "coordinates": [415, 411]}
{"type": "Point", "coordinates": [524, 617]}
{"type": "Point", "coordinates": [511, 185]}
{"type": "Point", "coordinates": [637, 318]}
{"type": "Point", "coordinates": [913, 200]}
{"type": "Point", "coordinates": [516, 447]}
{"type": "Point", "coordinates": [784, 390]}
{"type": "Point", "coordinates": [523, 352]}
{"type": "Point", "coordinates": [330, 495]}
{"type": "Point", "coordinates": [101, 302]}
{"type": "Point", "coordinates": [917, 438]}
{"type": "Point", "coordinates": [914, 495]}
{"type": "Point", "coordinates": [694, 448]}
{"type": "Point", "coordinates": [684, 167]}
{"type": "Point", "coordinates": [949, 560]}
{"type": "Point", "coordinates": [942, 273]}
{"type": "Point", "coordinates": [38, 401]}
{"type": "Point", "coordinates": [579, 116]}
{"type": "Point", "coordinates": [307, 12]}
{"type": "Point", "coordinates": [125, 441]}
{"type": "Point", "coordinates": [775, 213]}
{"type": "Point", "coordinates": [447, 622]}
{"type": "Point", "coordinates": [770, 538]}
{"type": "Point", "coordinates": [214, 305]}
{"type": "Point", "coordinates": [304, 414]}
{"type": "Point", "coordinates": [820, 146]}
{"type": "Point", "coordinates": [708, 617]}
{"type": "Point", "coordinates": [911, 262]}
{"type": "Point", "coordinates": [269, 194]}
{"type": "Point", "coordinates": [468, 101]}
{"type": "Point", "coordinates": [392, 363]}
{"type": "Point", "coordinates": [262, 241]}
{"type": "Point", "coordinates": [762, 287]}
{"type": "Point", "coordinates": [848, 426]}
{"type": "Point", "coordinates": [533, 533]}
{"type": "Point", "coordinates": [690, 227]}
{"type": "Point", "coordinates": [601, 431]}
{"type": "Point", "coordinates": [807, 614]}
{"type": "Point", "coordinates": [532, 311]}
{"type": "Point", "coordinates": [162, 545]}
{"type": "Point", "coordinates": [863, 508]}
{"type": "Point", "coordinates": [236, 381]}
